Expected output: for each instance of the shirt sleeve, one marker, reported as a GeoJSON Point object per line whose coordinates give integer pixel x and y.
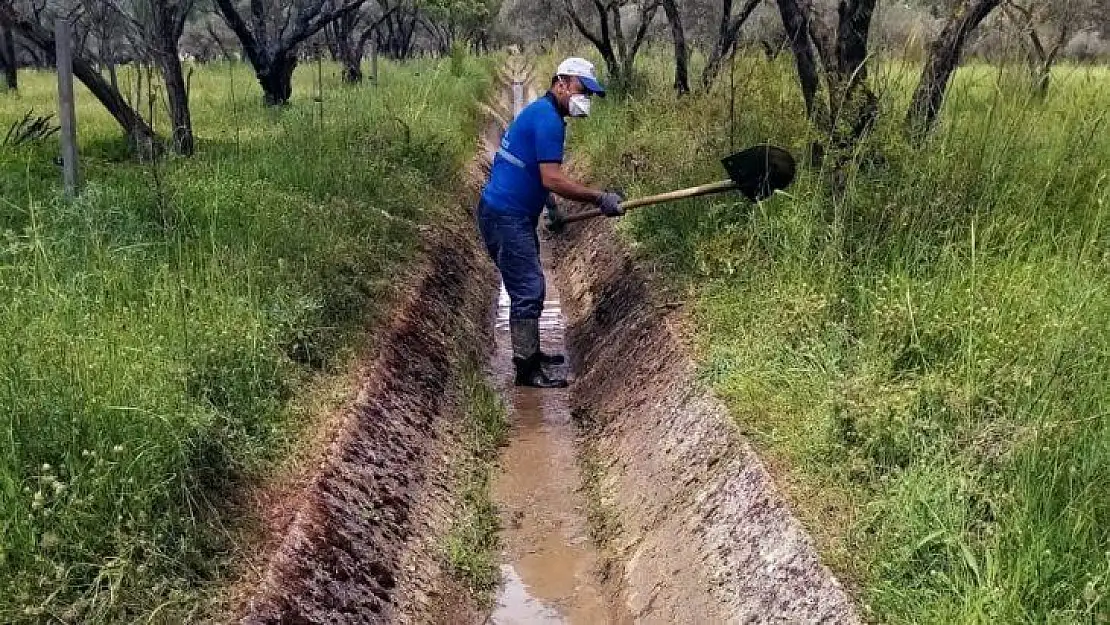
{"type": "Point", "coordinates": [550, 134]}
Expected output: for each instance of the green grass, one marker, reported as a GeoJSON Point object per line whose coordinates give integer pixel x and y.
{"type": "Point", "coordinates": [926, 363]}
{"type": "Point", "coordinates": [471, 546]}
{"type": "Point", "coordinates": [156, 330]}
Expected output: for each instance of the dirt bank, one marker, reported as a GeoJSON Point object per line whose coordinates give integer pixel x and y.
{"type": "Point", "coordinates": [692, 527]}
{"type": "Point", "coordinates": [364, 544]}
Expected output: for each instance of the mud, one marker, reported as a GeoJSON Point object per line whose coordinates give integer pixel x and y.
{"type": "Point", "coordinates": [549, 564]}
{"type": "Point", "coordinates": [696, 531]}
{"type": "Point", "coordinates": [363, 546]}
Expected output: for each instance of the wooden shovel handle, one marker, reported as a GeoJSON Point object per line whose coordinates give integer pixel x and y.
{"type": "Point", "coordinates": [673, 196]}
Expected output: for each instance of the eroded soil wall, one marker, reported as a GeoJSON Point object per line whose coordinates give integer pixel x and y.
{"type": "Point", "coordinates": [364, 545]}
{"type": "Point", "coordinates": [691, 524]}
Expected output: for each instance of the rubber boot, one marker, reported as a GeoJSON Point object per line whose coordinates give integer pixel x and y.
{"type": "Point", "coordinates": [525, 334]}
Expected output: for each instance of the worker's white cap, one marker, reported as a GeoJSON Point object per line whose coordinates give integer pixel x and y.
{"type": "Point", "coordinates": [584, 71]}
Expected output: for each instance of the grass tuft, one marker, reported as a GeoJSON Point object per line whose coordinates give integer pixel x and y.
{"type": "Point", "coordinates": [471, 546]}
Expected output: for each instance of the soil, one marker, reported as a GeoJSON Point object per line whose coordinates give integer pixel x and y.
{"type": "Point", "coordinates": [695, 530]}
{"type": "Point", "coordinates": [363, 545]}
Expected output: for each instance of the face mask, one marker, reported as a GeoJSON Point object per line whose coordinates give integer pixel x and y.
{"type": "Point", "coordinates": [579, 105]}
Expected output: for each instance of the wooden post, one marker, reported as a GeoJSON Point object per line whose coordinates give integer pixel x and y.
{"type": "Point", "coordinates": [518, 97]}
{"type": "Point", "coordinates": [320, 83]}
{"type": "Point", "coordinates": [67, 115]}
{"type": "Point", "coordinates": [374, 62]}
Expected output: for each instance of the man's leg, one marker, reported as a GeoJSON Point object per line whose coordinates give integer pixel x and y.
{"type": "Point", "coordinates": [545, 359]}
{"type": "Point", "coordinates": [519, 261]}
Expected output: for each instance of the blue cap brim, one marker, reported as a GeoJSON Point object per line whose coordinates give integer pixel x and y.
{"type": "Point", "coordinates": [592, 86]}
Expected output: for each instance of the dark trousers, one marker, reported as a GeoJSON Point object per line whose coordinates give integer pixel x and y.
{"type": "Point", "coordinates": [514, 246]}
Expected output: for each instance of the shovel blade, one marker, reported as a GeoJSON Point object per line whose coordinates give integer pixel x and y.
{"type": "Point", "coordinates": [761, 170]}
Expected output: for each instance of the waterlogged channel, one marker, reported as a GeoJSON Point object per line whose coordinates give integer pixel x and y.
{"type": "Point", "coordinates": [549, 567]}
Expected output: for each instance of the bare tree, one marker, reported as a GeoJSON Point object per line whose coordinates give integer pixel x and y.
{"type": "Point", "coordinates": [155, 28]}
{"type": "Point", "coordinates": [851, 108]}
{"type": "Point", "coordinates": [681, 53]}
{"type": "Point", "coordinates": [270, 41]}
{"type": "Point", "coordinates": [163, 34]}
{"type": "Point", "coordinates": [348, 36]}
{"type": "Point", "coordinates": [944, 57]}
{"type": "Point", "coordinates": [727, 36]}
{"type": "Point", "coordinates": [605, 30]}
{"type": "Point", "coordinates": [1037, 23]}
{"type": "Point", "coordinates": [105, 22]}
{"type": "Point", "coordinates": [213, 39]}
{"type": "Point", "coordinates": [140, 135]}
{"type": "Point", "coordinates": [397, 33]}
{"type": "Point", "coordinates": [795, 21]}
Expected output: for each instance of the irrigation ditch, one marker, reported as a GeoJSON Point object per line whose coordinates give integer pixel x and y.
{"type": "Point", "coordinates": [628, 498]}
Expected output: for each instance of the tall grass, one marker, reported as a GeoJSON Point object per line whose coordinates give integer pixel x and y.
{"type": "Point", "coordinates": [927, 362]}
{"type": "Point", "coordinates": [155, 329]}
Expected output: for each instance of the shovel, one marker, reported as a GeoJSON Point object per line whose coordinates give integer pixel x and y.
{"type": "Point", "coordinates": [756, 172]}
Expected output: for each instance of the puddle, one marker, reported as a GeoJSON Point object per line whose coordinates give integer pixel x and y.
{"type": "Point", "coordinates": [549, 566]}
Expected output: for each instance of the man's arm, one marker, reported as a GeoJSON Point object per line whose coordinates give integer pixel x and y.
{"type": "Point", "coordinates": [557, 182]}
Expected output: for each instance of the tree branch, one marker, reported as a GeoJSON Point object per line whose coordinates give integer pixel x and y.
{"type": "Point", "coordinates": [236, 23]}
{"type": "Point", "coordinates": [647, 15]}
{"type": "Point", "coordinates": [581, 26]}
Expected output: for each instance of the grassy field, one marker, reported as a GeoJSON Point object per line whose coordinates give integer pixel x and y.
{"type": "Point", "coordinates": [160, 332]}
{"type": "Point", "coordinates": [925, 364]}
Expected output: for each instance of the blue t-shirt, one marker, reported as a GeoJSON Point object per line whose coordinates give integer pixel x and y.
{"type": "Point", "coordinates": [535, 136]}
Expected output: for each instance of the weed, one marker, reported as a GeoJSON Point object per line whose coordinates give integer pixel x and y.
{"type": "Point", "coordinates": [471, 547]}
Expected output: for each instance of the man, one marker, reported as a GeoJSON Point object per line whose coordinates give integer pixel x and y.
{"type": "Point", "coordinates": [525, 170]}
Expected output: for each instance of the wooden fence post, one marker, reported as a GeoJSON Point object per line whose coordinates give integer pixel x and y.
{"type": "Point", "coordinates": [67, 115]}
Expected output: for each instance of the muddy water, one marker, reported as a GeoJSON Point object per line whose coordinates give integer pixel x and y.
{"type": "Point", "coordinates": [549, 567]}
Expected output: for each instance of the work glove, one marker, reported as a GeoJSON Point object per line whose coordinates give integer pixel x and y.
{"type": "Point", "coordinates": [610, 204]}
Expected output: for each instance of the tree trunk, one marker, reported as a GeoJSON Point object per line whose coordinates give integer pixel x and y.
{"type": "Point", "coordinates": [277, 80]}
{"type": "Point", "coordinates": [944, 58]}
{"type": "Point", "coordinates": [168, 24]}
{"type": "Point", "coordinates": [349, 56]}
{"type": "Point", "coordinates": [178, 96]}
{"type": "Point", "coordinates": [854, 105]}
{"type": "Point", "coordinates": [796, 24]}
{"type": "Point", "coordinates": [8, 58]}
{"type": "Point", "coordinates": [352, 71]}
{"type": "Point", "coordinates": [681, 54]}
{"type": "Point", "coordinates": [140, 135]}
